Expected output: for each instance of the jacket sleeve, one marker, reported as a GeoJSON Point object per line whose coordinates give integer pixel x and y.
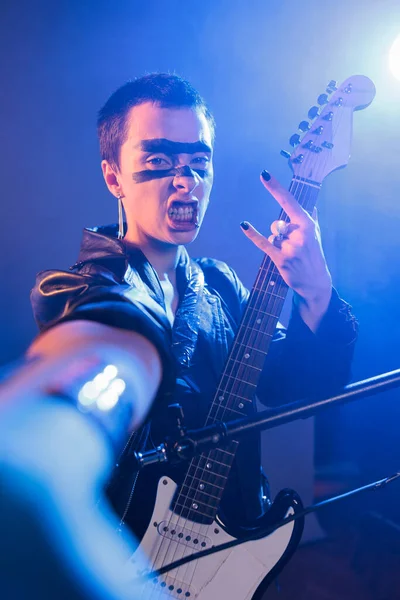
{"type": "Point", "coordinates": [301, 364]}
{"type": "Point", "coordinates": [60, 296]}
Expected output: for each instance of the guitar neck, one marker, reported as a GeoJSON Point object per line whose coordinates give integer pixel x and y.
{"type": "Point", "coordinates": [205, 481]}
{"type": "Point", "coordinates": [251, 345]}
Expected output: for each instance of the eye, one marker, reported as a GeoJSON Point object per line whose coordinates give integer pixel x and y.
{"type": "Point", "coordinates": [202, 160]}
{"type": "Point", "coordinates": [158, 161]}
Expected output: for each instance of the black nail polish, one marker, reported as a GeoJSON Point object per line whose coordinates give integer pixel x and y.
{"type": "Point", "coordinates": [265, 175]}
{"type": "Point", "coordinates": [244, 225]}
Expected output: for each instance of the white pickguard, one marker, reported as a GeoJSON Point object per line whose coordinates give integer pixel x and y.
{"type": "Point", "coordinates": [235, 573]}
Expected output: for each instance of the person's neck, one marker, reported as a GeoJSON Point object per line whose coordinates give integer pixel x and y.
{"type": "Point", "coordinates": [163, 257]}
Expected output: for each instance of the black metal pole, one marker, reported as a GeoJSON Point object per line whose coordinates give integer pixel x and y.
{"type": "Point", "coordinates": [198, 440]}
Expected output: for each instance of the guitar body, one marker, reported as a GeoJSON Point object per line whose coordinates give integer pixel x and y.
{"type": "Point", "coordinates": [239, 573]}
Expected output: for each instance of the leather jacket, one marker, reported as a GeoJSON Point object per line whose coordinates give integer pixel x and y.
{"type": "Point", "coordinates": [109, 285]}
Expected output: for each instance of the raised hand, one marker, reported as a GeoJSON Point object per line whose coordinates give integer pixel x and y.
{"type": "Point", "coordinates": [296, 250]}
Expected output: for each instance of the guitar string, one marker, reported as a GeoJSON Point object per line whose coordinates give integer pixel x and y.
{"type": "Point", "coordinates": [311, 192]}
{"type": "Point", "coordinates": [179, 516]}
{"type": "Point", "coordinates": [293, 189]}
{"type": "Point", "coordinates": [205, 459]}
{"type": "Point", "coordinates": [254, 309]}
{"type": "Point", "coordinates": [185, 577]}
{"type": "Point", "coordinates": [264, 272]}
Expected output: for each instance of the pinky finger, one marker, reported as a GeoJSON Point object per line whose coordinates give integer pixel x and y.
{"type": "Point", "coordinates": [259, 240]}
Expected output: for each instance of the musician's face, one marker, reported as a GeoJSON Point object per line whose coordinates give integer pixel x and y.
{"type": "Point", "coordinates": [165, 173]}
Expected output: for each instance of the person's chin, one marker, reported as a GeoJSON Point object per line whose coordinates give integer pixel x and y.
{"type": "Point", "coordinates": [184, 236]}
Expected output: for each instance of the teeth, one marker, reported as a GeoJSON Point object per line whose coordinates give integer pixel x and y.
{"type": "Point", "coordinates": [182, 213]}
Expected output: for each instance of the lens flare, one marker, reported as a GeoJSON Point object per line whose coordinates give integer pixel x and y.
{"type": "Point", "coordinates": [394, 58]}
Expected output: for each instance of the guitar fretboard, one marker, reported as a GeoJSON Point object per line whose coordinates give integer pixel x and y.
{"type": "Point", "coordinates": [200, 495]}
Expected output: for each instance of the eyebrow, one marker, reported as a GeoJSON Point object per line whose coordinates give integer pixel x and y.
{"type": "Point", "coordinates": [168, 147]}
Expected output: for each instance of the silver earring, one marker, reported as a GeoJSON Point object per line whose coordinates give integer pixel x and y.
{"type": "Point", "coordinates": [120, 234]}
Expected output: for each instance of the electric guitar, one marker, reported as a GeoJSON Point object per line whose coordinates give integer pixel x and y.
{"type": "Point", "coordinates": [185, 518]}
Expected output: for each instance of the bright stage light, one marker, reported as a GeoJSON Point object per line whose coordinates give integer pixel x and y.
{"type": "Point", "coordinates": [394, 58]}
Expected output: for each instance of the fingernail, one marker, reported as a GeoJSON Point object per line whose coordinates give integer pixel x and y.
{"type": "Point", "coordinates": [265, 175]}
{"type": "Point", "coordinates": [244, 225]}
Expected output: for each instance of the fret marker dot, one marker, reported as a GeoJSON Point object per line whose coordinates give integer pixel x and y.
{"type": "Point", "coordinates": [201, 486]}
{"type": "Point", "coordinates": [241, 405]}
{"type": "Point", "coordinates": [195, 506]}
{"type": "Point", "coordinates": [272, 283]}
{"type": "Point", "coordinates": [208, 465]}
{"type": "Point", "coordinates": [247, 355]}
{"type": "Point", "coordinates": [258, 321]}
{"type": "Point", "coordinates": [221, 398]}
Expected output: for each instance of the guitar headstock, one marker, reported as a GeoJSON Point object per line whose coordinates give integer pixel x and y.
{"type": "Point", "coordinates": [325, 145]}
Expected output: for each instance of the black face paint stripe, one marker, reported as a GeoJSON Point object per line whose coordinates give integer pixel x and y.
{"type": "Point", "coordinates": [149, 175]}
{"type": "Point", "coordinates": [168, 147]}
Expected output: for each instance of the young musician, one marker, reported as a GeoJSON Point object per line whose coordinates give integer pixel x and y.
{"type": "Point", "coordinates": [175, 317]}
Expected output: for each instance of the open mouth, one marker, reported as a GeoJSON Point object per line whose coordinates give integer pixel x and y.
{"type": "Point", "coordinates": [183, 213]}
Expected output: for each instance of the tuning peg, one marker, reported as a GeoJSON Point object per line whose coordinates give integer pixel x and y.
{"type": "Point", "coordinates": [313, 112]}
{"type": "Point", "coordinates": [304, 126]}
{"type": "Point", "coordinates": [285, 154]}
{"type": "Point", "coordinates": [294, 140]}
{"type": "Point", "coordinates": [331, 87]}
{"type": "Point", "coordinates": [322, 99]}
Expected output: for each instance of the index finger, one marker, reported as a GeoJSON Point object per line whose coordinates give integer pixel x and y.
{"type": "Point", "coordinates": [284, 198]}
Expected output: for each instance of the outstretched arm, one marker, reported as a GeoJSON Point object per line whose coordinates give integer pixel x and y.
{"type": "Point", "coordinates": [55, 458]}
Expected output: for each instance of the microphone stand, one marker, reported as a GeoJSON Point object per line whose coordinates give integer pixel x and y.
{"type": "Point", "coordinates": [193, 442]}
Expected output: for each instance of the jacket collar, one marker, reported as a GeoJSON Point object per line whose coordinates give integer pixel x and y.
{"type": "Point", "coordinates": [101, 245]}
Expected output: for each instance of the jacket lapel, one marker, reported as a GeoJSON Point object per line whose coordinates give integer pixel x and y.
{"type": "Point", "coordinates": [187, 320]}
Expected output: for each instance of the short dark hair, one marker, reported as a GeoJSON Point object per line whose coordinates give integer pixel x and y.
{"type": "Point", "coordinates": [163, 89]}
